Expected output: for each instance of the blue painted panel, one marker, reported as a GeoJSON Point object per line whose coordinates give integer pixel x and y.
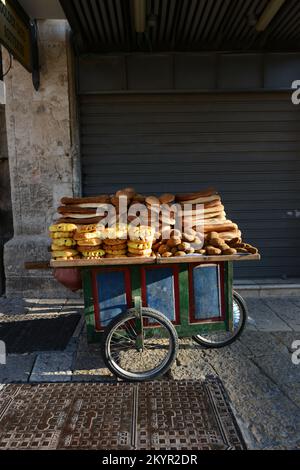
{"type": "Point", "coordinates": [160, 291]}
{"type": "Point", "coordinates": [206, 292]}
{"type": "Point", "coordinates": [112, 295]}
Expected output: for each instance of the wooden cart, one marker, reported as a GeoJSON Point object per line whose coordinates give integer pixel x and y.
{"type": "Point", "coordinates": [138, 307]}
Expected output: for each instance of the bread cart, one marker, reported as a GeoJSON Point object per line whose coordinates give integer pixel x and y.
{"type": "Point", "coordinates": [139, 307]}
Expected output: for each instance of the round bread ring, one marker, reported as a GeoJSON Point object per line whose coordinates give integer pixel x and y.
{"type": "Point", "coordinates": [115, 233]}
{"type": "Point", "coordinates": [139, 245]}
{"type": "Point", "coordinates": [93, 253]}
{"type": "Point", "coordinates": [115, 256]}
{"type": "Point", "coordinates": [120, 246]}
{"type": "Point", "coordinates": [82, 249]}
{"type": "Point", "coordinates": [116, 252]}
{"type": "Point", "coordinates": [110, 248]}
{"type": "Point", "coordinates": [190, 196]}
{"type": "Point", "coordinates": [64, 253]}
{"type": "Point", "coordinates": [91, 242]}
{"type": "Point", "coordinates": [114, 242]}
{"type": "Point", "coordinates": [57, 247]}
{"type": "Point", "coordinates": [140, 252]}
{"type": "Point", "coordinates": [87, 235]}
{"type": "Point", "coordinates": [68, 242]}
{"type": "Point", "coordinates": [57, 235]}
{"type": "Point", "coordinates": [135, 255]}
{"type": "Point", "coordinates": [82, 229]}
{"type": "Point", "coordinates": [143, 233]}
{"type": "Point", "coordinates": [63, 227]}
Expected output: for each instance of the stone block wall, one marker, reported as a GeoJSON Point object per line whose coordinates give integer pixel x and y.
{"type": "Point", "coordinates": [43, 157]}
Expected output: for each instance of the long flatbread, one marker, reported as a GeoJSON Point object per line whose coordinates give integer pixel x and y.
{"type": "Point", "coordinates": [190, 196]}
{"type": "Point", "coordinates": [102, 199]}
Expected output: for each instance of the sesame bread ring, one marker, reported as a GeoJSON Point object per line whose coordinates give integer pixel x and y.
{"type": "Point", "coordinates": [140, 245]}
{"type": "Point", "coordinates": [87, 235]}
{"type": "Point", "coordinates": [91, 242]}
{"type": "Point", "coordinates": [118, 232]}
{"type": "Point", "coordinates": [82, 249]}
{"type": "Point", "coordinates": [87, 228]}
{"type": "Point", "coordinates": [115, 252]}
{"type": "Point", "coordinates": [115, 247]}
{"type": "Point", "coordinates": [93, 253]}
{"type": "Point", "coordinates": [114, 242]}
{"type": "Point", "coordinates": [65, 242]}
{"type": "Point", "coordinates": [135, 255]}
{"type": "Point", "coordinates": [140, 252]}
{"type": "Point", "coordinates": [63, 228]}
{"type": "Point", "coordinates": [64, 253]}
{"type": "Point", "coordinates": [142, 233]}
{"type": "Point", "coordinates": [56, 247]}
{"type": "Point", "coordinates": [55, 235]}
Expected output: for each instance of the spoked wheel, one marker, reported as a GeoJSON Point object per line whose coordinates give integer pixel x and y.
{"type": "Point", "coordinates": [140, 351]}
{"type": "Point", "coordinates": [219, 339]}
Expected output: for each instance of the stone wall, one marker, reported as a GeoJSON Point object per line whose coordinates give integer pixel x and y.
{"type": "Point", "coordinates": [43, 157]}
{"type": "Point", "coordinates": [6, 229]}
{"type": "Point", "coordinates": [6, 224]}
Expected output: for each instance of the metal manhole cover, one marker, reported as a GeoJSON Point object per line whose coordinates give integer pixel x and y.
{"type": "Point", "coordinates": [157, 415]}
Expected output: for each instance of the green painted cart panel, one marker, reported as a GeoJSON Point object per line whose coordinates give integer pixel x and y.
{"type": "Point", "coordinates": [185, 325]}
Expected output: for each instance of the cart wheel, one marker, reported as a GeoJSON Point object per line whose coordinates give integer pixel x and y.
{"type": "Point", "coordinates": [121, 348]}
{"type": "Point", "coordinates": [224, 338]}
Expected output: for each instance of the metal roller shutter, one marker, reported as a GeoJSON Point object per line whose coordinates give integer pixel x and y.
{"type": "Point", "coordinates": [246, 145]}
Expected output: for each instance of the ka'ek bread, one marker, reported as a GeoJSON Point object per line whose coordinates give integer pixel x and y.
{"type": "Point", "coordinates": [93, 253]}
{"type": "Point", "coordinates": [64, 253]}
{"type": "Point", "coordinates": [63, 227]}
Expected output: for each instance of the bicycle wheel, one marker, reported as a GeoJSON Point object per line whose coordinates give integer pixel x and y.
{"type": "Point", "coordinates": [219, 339]}
{"type": "Point", "coordinates": [124, 358]}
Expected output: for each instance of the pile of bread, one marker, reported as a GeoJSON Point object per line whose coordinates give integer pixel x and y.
{"type": "Point", "coordinates": [71, 242]}
{"type": "Point", "coordinates": [80, 232]}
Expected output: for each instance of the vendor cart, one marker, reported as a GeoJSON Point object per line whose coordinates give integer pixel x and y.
{"type": "Point", "coordinates": [139, 307]}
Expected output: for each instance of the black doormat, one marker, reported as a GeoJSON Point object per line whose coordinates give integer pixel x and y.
{"type": "Point", "coordinates": [46, 334]}
{"type": "Point", "coordinates": [171, 415]}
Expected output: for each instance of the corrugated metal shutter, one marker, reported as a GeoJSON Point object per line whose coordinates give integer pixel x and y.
{"type": "Point", "coordinates": [246, 145]}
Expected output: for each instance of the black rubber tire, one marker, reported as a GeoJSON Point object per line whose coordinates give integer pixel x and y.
{"type": "Point", "coordinates": [137, 377]}
{"type": "Point", "coordinates": [244, 312]}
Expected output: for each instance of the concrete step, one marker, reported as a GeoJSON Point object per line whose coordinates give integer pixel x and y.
{"type": "Point", "coordinates": [268, 287]}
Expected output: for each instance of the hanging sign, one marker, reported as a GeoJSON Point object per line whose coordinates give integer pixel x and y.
{"type": "Point", "coordinates": [15, 33]}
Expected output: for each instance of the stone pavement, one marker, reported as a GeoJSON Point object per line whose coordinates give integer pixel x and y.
{"type": "Point", "coordinates": [257, 370]}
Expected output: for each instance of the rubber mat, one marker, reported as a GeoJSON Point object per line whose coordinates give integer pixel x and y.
{"type": "Point", "coordinates": [45, 334]}
{"type": "Point", "coordinates": [169, 415]}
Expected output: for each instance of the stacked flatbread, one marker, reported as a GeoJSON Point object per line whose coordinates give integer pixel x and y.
{"type": "Point", "coordinates": [211, 217]}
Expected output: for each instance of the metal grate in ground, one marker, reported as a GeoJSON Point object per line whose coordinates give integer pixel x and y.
{"type": "Point", "coordinates": [153, 415]}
